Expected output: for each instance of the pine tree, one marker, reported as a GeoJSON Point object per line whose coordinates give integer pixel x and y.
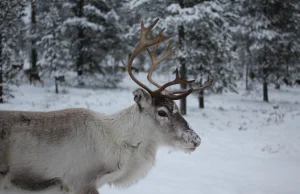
{"type": "Point", "coordinates": [132, 12]}
{"type": "Point", "coordinates": [92, 27]}
{"type": "Point", "coordinates": [55, 59]}
{"type": "Point", "coordinates": [207, 48]}
{"type": "Point", "coordinates": [11, 12]}
{"type": "Point", "coordinates": [269, 28]}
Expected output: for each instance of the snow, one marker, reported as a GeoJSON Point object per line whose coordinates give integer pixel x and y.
{"type": "Point", "coordinates": [26, 18]}
{"type": "Point", "coordinates": [195, 13]}
{"type": "Point", "coordinates": [135, 3]}
{"type": "Point", "coordinates": [248, 146]}
{"type": "Point", "coordinates": [94, 11]}
{"type": "Point", "coordinates": [83, 23]}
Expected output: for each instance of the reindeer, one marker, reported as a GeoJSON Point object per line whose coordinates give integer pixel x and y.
{"type": "Point", "coordinates": [17, 66]}
{"type": "Point", "coordinates": [59, 80]}
{"type": "Point", "coordinates": [33, 75]}
{"type": "Point", "coordinates": [286, 81]}
{"type": "Point", "coordinates": [82, 150]}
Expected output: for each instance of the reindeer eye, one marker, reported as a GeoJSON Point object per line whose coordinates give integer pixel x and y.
{"type": "Point", "coordinates": [162, 113]}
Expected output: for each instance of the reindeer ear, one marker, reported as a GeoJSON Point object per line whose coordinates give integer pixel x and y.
{"type": "Point", "coordinates": [142, 97]}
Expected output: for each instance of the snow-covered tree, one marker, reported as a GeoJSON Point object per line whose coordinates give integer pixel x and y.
{"type": "Point", "coordinates": [11, 12]}
{"type": "Point", "coordinates": [131, 13]}
{"type": "Point", "coordinates": [270, 29]}
{"type": "Point", "coordinates": [92, 28]}
{"type": "Point", "coordinates": [55, 60]}
{"type": "Point", "coordinates": [207, 46]}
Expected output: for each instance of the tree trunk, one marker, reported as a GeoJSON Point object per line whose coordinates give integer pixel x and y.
{"type": "Point", "coordinates": [265, 85]}
{"type": "Point", "coordinates": [1, 72]}
{"type": "Point", "coordinates": [56, 87]}
{"type": "Point", "coordinates": [182, 70]}
{"type": "Point", "coordinates": [265, 75]}
{"type": "Point", "coordinates": [182, 62]}
{"type": "Point", "coordinates": [183, 86]}
{"type": "Point", "coordinates": [79, 62]}
{"type": "Point", "coordinates": [246, 55]}
{"type": "Point", "coordinates": [277, 83]}
{"type": "Point", "coordinates": [33, 32]}
{"type": "Point", "coordinates": [247, 75]}
{"type": "Point", "coordinates": [265, 91]}
{"type": "Point", "coordinates": [80, 35]}
{"type": "Point", "coordinates": [201, 99]}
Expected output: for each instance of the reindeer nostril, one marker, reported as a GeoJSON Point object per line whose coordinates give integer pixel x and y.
{"type": "Point", "coordinates": [197, 142]}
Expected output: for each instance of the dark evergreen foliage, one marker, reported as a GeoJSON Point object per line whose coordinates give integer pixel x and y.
{"type": "Point", "coordinates": [11, 12]}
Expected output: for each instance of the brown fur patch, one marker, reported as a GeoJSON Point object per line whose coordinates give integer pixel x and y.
{"type": "Point", "coordinates": [161, 101]}
{"type": "Point", "coordinates": [49, 127]}
{"type": "Point", "coordinates": [34, 183]}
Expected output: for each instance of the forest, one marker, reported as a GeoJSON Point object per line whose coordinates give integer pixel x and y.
{"type": "Point", "coordinates": [81, 43]}
{"type": "Point", "coordinates": [61, 54]}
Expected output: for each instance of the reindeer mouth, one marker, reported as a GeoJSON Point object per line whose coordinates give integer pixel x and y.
{"type": "Point", "coordinates": [189, 150]}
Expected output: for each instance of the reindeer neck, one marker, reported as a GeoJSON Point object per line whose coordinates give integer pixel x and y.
{"type": "Point", "coordinates": [132, 127]}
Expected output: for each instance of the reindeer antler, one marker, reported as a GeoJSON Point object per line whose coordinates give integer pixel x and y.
{"type": "Point", "coordinates": [146, 42]}
{"type": "Point", "coordinates": [156, 61]}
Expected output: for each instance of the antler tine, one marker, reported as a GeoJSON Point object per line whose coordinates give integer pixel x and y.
{"type": "Point", "coordinates": [156, 61]}
{"type": "Point", "coordinates": [206, 85]}
{"type": "Point", "coordinates": [153, 66]}
{"type": "Point", "coordinates": [145, 41]}
{"type": "Point", "coordinates": [177, 97]}
{"type": "Point", "coordinates": [165, 54]}
{"type": "Point", "coordinates": [177, 80]}
{"type": "Point", "coordinates": [149, 28]}
{"type": "Point", "coordinates": [184, 93]}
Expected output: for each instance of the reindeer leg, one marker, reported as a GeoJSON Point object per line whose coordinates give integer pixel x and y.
{"type": "Point", "coordinates": [87, 190]}
{"type": "Point", "coordinates": [30, 80]}
{"type": "Point", "coordinates": [86, 183]}
{"type": "Point", "coordinates": [4, 168]}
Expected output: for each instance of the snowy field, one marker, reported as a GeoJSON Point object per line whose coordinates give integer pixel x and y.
{"type": "Point", "coordinates": [248, 147]}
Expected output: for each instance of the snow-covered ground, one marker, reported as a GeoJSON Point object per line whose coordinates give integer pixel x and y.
{"type": "Point", "coordinates": [248, 147]}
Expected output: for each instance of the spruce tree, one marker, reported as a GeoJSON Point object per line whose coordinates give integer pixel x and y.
{"type": "Point", "coordinates": [11, 12]}
{"type": "Point", "coordinates": [269, 28]}
{"type": "Point", "coordinates": [92, 28]}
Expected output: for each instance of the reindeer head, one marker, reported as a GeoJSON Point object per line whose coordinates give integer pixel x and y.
{"type": "Point", "coordinates": [159, 105]}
